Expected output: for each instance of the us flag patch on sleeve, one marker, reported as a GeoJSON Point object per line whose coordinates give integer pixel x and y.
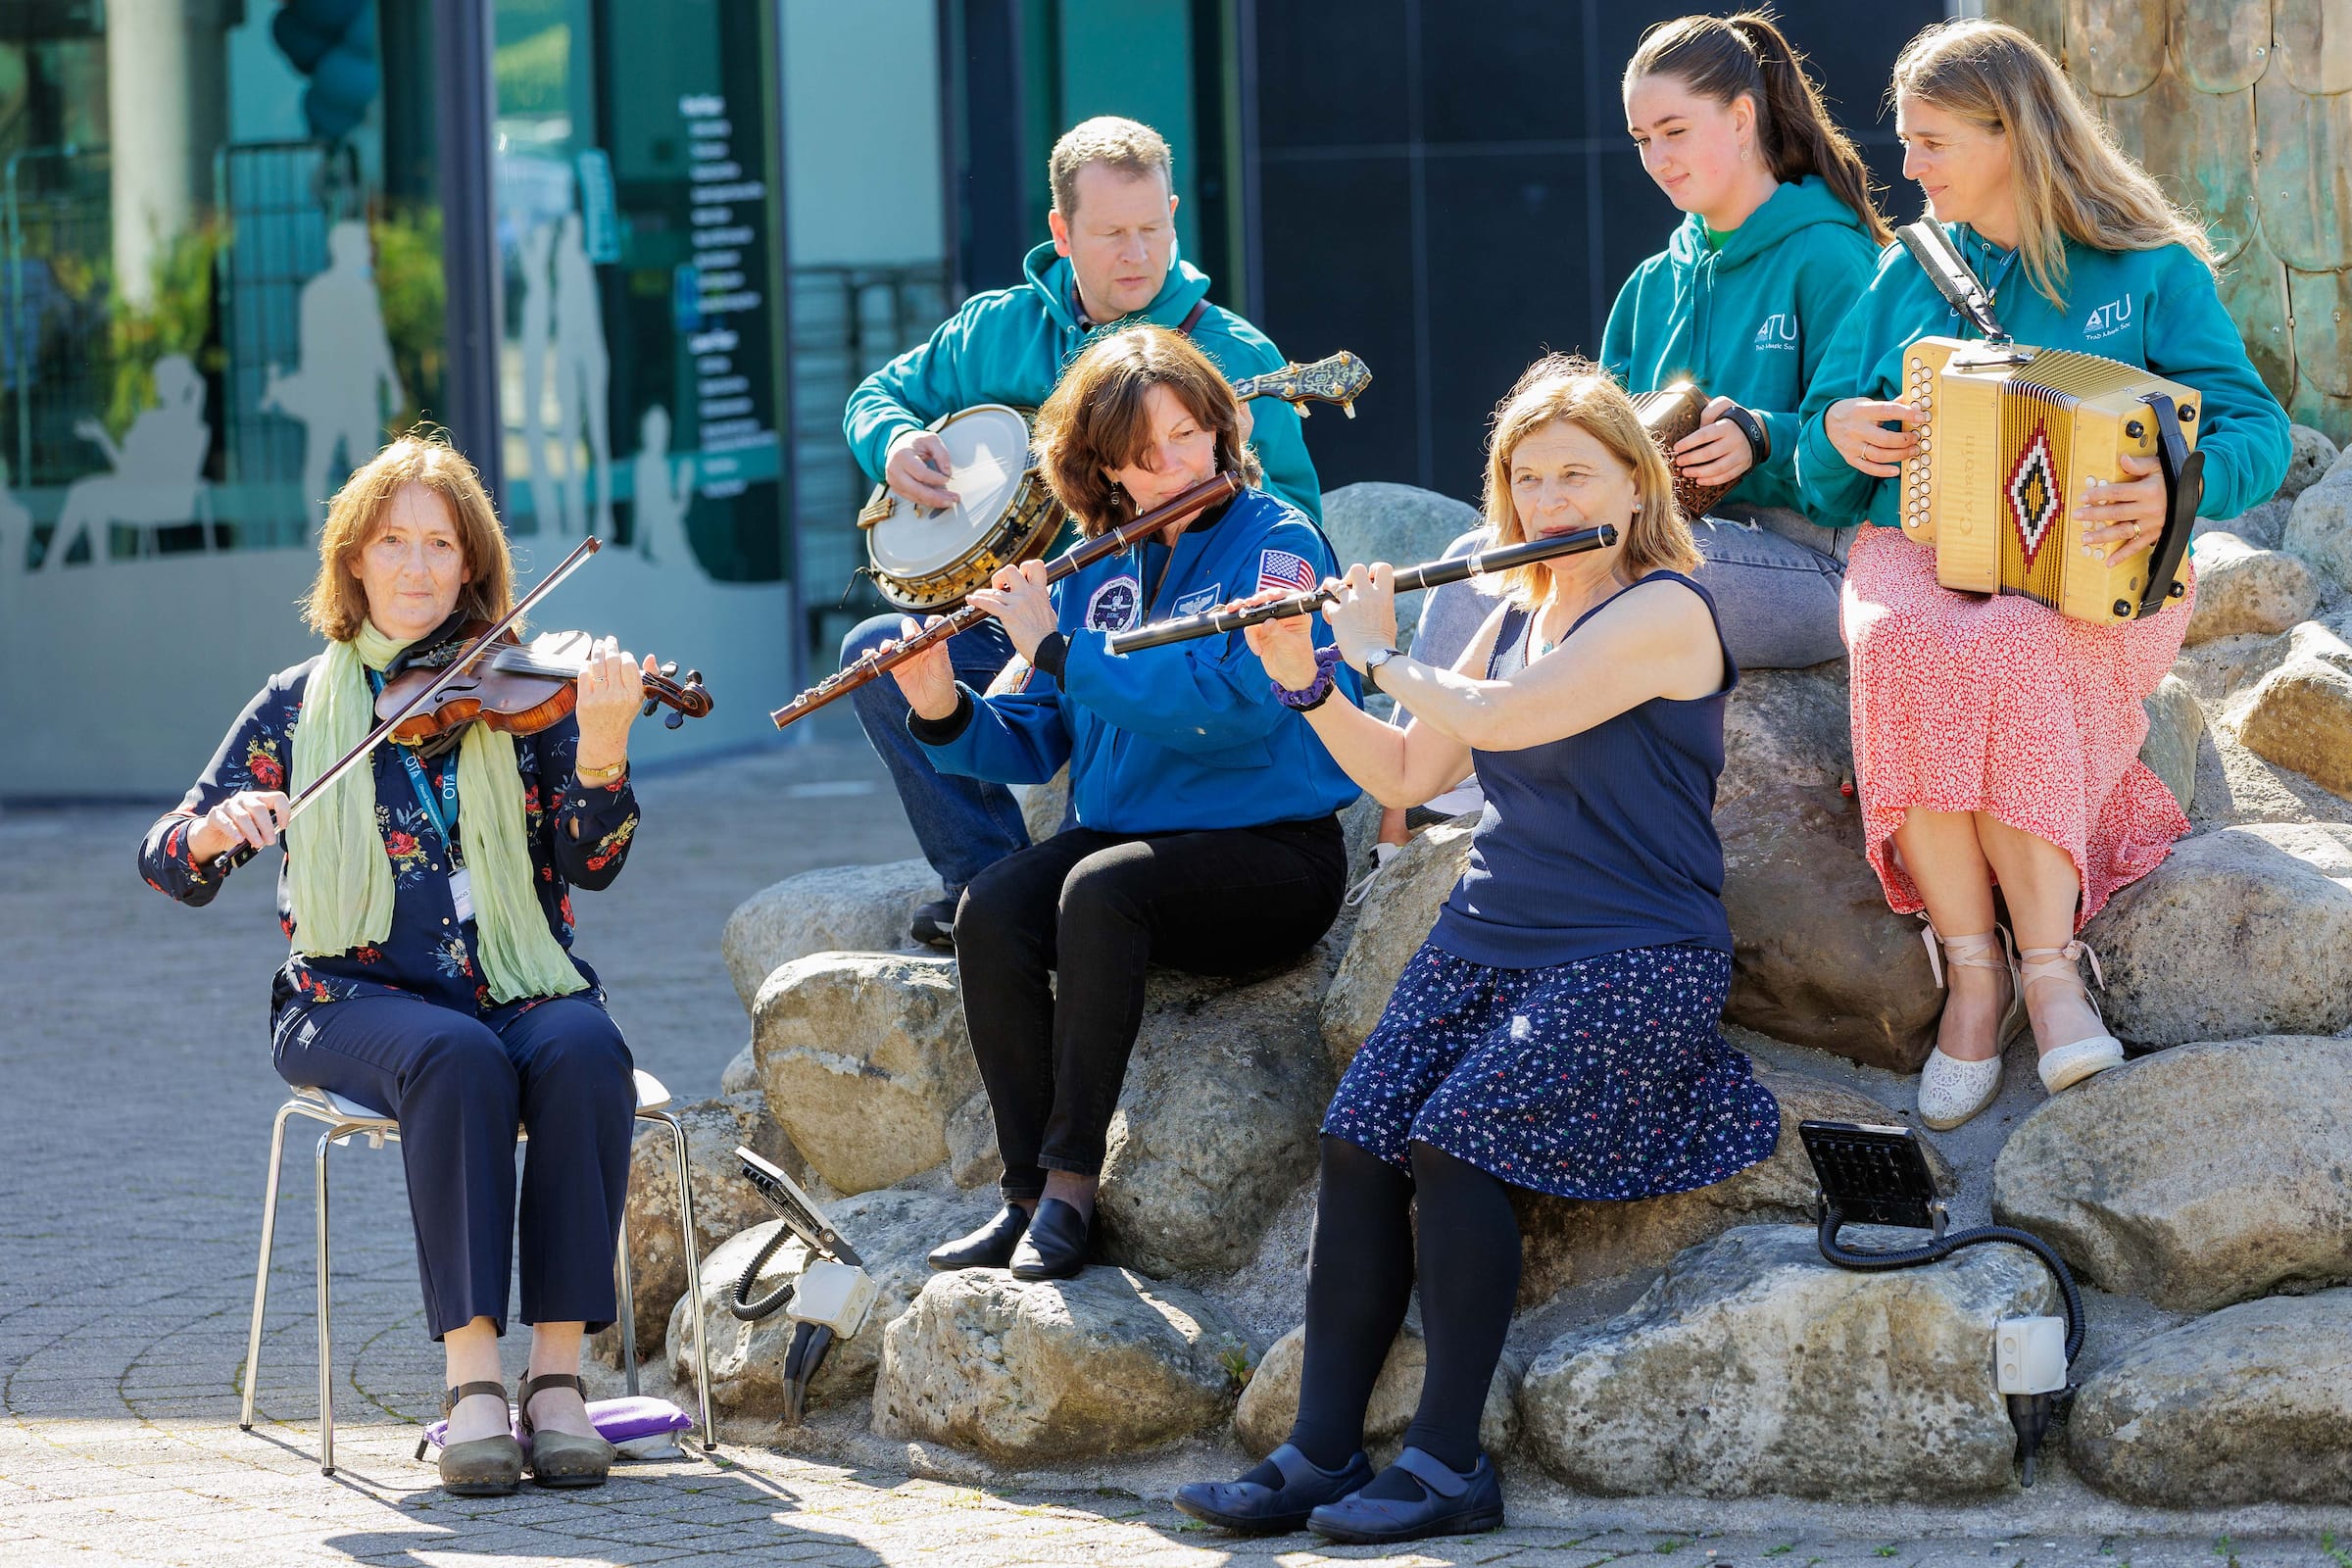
{"type": "Point", "coordinates": [1279, 569]}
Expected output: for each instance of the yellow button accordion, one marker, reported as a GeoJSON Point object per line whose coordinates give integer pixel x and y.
{"type": "Point", "coordinates": [2013, 434]}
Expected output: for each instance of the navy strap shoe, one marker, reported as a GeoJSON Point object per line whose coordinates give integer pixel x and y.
{"type": "Point", "coordinates": [1451, 1503]}
{"type": "Point", "coordinates": [1252, 1509]}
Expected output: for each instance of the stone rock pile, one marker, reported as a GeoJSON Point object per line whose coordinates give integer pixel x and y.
{"type": "Point", "coordinates": [2210, 1178]}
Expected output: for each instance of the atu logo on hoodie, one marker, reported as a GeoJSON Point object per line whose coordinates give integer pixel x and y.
{"type": "Point", "coordinates": [1779, 332]}
{"type": "Point", "coordinates": [2108, 319]}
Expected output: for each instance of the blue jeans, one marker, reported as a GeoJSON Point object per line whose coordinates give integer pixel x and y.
{"type": "Point", "coordinates": [1776, 598]}
{"type": "Point", "coordinates": [963, 825]}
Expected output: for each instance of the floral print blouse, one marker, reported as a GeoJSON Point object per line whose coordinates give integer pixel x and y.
{"type": "Point", "coordinates": [579, 836]}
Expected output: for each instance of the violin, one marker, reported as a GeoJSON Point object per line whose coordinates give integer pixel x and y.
{"type": "Point", "coordinates": [519, 687]}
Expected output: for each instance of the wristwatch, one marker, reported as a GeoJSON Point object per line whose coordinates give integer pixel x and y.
{"type": "Point", "coordinates": [601, 775]}
{"type": "Point", "coordinates": [1372, 662]}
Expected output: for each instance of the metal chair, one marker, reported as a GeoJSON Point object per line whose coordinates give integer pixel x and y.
{"type": "Point", "coordinates": [346, 1119]}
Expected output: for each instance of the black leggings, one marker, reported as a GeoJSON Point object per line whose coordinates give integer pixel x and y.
{"type": "Point", "coordinates": [1359, 1272]}
{"type": "Point", "coordinates": [1092, 909]}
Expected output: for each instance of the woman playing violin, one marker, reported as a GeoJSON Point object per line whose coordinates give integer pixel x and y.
{"type": "Point", "coordinates": [429, 913]}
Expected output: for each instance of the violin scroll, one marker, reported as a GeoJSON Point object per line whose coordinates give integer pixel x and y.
{"type": "Point", "coordinates": [685, 700]}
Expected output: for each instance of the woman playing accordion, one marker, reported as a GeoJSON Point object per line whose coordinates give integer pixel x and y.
{"type": "Point", "coordinates": [1996, 739]}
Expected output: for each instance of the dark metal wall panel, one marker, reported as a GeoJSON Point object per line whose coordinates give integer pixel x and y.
{"type": "Point", "coordinates": [464, 102]}
{"type": "Point", "coordinates": [1448, 191]}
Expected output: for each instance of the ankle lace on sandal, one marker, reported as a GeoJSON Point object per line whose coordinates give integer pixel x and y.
{"type": "Point", "coordinates": [2068, 1064]}
{"type": "Point", "coordinates": [1952, 1090]}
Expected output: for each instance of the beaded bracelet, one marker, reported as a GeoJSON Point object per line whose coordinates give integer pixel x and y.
{"type": "Point", "coordinates": [1312, 694]}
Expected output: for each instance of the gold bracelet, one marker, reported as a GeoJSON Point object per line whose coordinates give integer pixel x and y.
{"type": "Point", "coordinates": [601, 775]}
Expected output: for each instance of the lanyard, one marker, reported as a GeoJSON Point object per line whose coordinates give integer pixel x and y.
{"type": "Point", "coordinates": [1992, 284]}
{"type": "Point", "coordinates": [444, 812]}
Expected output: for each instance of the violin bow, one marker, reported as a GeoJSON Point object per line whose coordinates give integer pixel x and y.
{"type": "Point", "coordinates": [230, 859]}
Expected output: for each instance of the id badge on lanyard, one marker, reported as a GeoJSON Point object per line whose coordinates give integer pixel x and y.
{"type": "Point", "coordinates": [443, 814]}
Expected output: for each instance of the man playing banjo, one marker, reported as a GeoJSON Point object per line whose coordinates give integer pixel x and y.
{"type": "Point", "coordinates": [1111, 262]}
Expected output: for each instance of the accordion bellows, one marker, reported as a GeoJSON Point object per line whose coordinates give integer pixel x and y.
{"type": "Point", "coordinates": [2011, 437]}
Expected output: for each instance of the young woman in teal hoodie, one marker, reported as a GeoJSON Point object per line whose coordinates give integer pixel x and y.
{"type": "Point", "coordinates": [1779, 242]}
{"type": "Point", "coordinates": [1993, 737]}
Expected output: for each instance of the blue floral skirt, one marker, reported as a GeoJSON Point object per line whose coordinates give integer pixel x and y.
{"type": "Point", "coordinates": [1606, 1078]}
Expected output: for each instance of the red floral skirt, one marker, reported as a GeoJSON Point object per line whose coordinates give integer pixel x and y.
{"type": "Point", "coordinates": [1963, 703]}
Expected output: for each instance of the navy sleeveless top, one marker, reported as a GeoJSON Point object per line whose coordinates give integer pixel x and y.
{"type": "Point", "coordinates": [1601, 842]}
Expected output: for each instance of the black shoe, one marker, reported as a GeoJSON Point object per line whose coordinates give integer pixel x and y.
{"type": "Point", "coordinates": [934, 925]}
{"type": "Point", "coordinates": [1451, 1503]}
{"type": "Point", "coordinates": [1054, 1248]}
{"type": "Point", "coordinates": [1254, 1509]}
{"type": "Point", "coordinates": [989, 1247]}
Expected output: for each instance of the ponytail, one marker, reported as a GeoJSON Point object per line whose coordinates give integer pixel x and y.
{"type": "Point", "coordinates": [1723, 58]}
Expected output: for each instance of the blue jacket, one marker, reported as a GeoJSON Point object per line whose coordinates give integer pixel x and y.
{"type": "Point", "coordinates": [2154, 308]}
{"type": "Point", "coordinates": [1749, 321]}
{"type": "Point", "coordinates": [1011, 345]}
{"type": "Point", "coordinates": [1174, 738]}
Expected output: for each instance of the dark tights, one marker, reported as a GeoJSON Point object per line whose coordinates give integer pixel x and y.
{"type": "Point", "coordinates": [1360, 1271]}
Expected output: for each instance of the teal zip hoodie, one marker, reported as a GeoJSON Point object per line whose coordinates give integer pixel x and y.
{"type": "Point", "coordinates": [2155, 308]}
{"type": "Point", "coordinates": [1011, 345]}
{"type": "Point", "coordinates": [1749, 321]}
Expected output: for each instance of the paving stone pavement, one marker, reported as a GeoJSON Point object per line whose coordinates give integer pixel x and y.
{"type": "Point", "coordinates": [133, 1125]}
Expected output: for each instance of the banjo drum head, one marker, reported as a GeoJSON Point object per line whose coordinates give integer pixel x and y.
{"type": "Point", "coordinates": [988, 453]}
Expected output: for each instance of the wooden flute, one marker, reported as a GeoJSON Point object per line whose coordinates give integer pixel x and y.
{"type": "Point", "coordinates": [1126, 536]}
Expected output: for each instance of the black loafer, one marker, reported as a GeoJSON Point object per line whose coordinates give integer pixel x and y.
{"type": "Point", "coordinates": [1054, 1247]}
{"type": "Point", "coordinates": [1252, 1509]}
{"type": "Point", "coordinates": [934, 923]}
{"type": "Point", "coordinates": [1451, 1503]}
{"type": "Point", "coordinates": [989, 1247]}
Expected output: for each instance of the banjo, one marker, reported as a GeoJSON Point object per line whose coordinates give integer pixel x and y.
{"type": "Point", "coordinates": [924, 561]}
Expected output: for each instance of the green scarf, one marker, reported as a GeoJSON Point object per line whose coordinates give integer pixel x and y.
{"type": "Point", "coordinates": [338, 872]}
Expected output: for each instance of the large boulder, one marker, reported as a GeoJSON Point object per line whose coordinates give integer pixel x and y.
{"type": "Point", "coordinates": [1754, 1366]}
{"type": "Point", "coordinates": [2237, 933]}
{"type": "Point", "coordinates": [1818, 959]}
{"type": "Point", "coordinates": [724, 1204]}
{"type": "Point", "coordinates": [1571, 1242]}
{"type": "Point", "coordinates": [1786, 726]}
{"type": "Point", "coordinates": [2252, 1404]}
{"type": "Point", "coordinates": [1043, 806]}
{"type": "Point", "coordinates": [1390, 928]}
{"type": "Point", "coordinates": [842, 909]}
{"type": "Point", "coordinates": [867, 1064]}
{"type": "Point", "coordinates": [2320, 528]}
{"type": "Point", "coordinates": [2300, 717]}
{"type": "Point", "coordinates": [1398, 524]}
{"type": "Point", "coordinates": [2312, 458]}
{"type": "Point", "coordinates": [2244, 588]}
{"type": "Point", "coordinates": [891, 1231]}
{"type": "Point", "coordinates": [2260, 526]}
{"type": "Point", "coordinates": [2175, 725]}
{"type": "Point", "coordinates": [862, 1056]}
{"type": "Point", "coordinates": [1054, 1372]}
{"type": "Point", "coordinates": [2200, 1176]}
{"type": "Point", "coordinates": [1216, 1122]}
{"type": "Point", "coordinates": [741, 1074]}
{"type": "Point", "coordinates": [1269, 1404]}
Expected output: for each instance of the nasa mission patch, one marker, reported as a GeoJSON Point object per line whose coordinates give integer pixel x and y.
{"type": "Point", "coordinates": [1114, 606]}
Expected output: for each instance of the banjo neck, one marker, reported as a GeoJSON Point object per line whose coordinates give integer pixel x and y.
{"type": "Point", "coordinates": [1339, 379]}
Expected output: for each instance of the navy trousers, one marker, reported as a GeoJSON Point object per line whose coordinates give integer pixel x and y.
{"type": "Point", "coordinates": [461, 1087]}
